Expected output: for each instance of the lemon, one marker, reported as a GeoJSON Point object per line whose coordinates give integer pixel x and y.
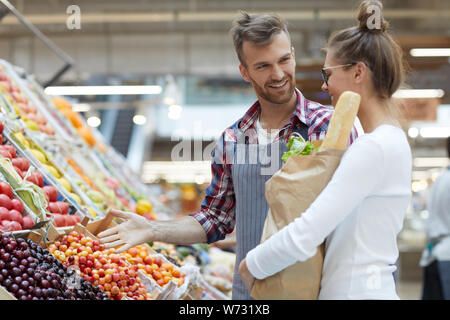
{"type": "Point", "coordinates": [53, 171]}
{"type": "Point", "coordinates": [65, 184]}
{"type": "Point", "coordinates": [143, 206]}
{"type": "Point", "coordinates": [92, 212]}
{"type": "Point", "coordinates": [39, 155]}
{"type": "Point", "coordinates": [76, 197]}
{"type": "Point", "coordinates": [32, 125]}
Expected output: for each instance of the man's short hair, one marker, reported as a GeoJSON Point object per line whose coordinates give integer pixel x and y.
{"type": "Point", "coordinates": [258, 29]}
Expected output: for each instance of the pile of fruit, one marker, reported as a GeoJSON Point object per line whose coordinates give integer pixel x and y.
{"type": "Point", "coordinates": [29, 272]}
{"type": "Point", "coordinates": [103, 268]}
{"type": "Point", "coordinates": [144, 208]}
{"type": "Point", "coordinates": [24, 108]}
{"type": "Point", "coordinates": [59, 209]}
{"type": "Point", "coordinates": [66, 109]}
{"type": "Point", "coordinates": [11, 211]}
{"type": "Point", "coordinates": [154, 266]}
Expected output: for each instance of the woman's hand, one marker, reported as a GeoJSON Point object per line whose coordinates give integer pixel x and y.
{"type": "Point", "coordinates": [134, 231]}
{"type": "Point", "coordinates": [246, 277]}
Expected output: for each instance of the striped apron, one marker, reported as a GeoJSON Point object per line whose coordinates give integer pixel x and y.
{"type": "Point", "coordinates": [249, 178]}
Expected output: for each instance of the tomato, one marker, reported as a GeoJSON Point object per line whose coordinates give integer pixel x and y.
{"type": "Point", "coordinates": [54, 208]}
{"type": "Point", "coordinates": [11, 149]}
{"type": "Point", "coordinates": [16, 216]}
{"type": "Point", "coordinates": [6, 189]}
{"type": "Point", "coordinates": [5, 153]}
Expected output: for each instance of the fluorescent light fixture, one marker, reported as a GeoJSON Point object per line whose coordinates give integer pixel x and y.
{"type": "Point", "coordinates": [102, 90]}
{"type": "Point", "coordinates": [413, 132]}
{"type": "Point", "coordinates": [177, 171]}
{"type": "Point", "coordinates": [419, 93]}
{"type": "Point", "coordinates": [430, 162]}
{"type": "Point", "coordinates": [430, 52]}
{"type": "Point", "coordinates": [435, 132]}
{"type": "Point", "coordinates": [139, 119]}
{"type": "Point", "coordinates": [81, 107]}
{"type": "Point", "coordinates": [94, 121]}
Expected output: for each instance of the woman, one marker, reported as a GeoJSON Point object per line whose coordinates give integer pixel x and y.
{"type": "Point", "coordinates": [361, 210]}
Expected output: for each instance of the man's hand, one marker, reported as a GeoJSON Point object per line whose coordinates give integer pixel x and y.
{"type": "Point", "coordinates": [134, 231]}
{"type": "Point", "coordinates": [246, 277]}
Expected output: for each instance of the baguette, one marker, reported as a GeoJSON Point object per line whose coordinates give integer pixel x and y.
{"type": "Point", "coordinates": [342, 121]}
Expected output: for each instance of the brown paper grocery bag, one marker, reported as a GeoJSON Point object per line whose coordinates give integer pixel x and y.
{"type": "Point", "coordinates": [289, 193]}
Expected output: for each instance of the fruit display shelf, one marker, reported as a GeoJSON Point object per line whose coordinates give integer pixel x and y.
{"type": "Point", "coordinates": [34, 171]}
{"type": "Point", "coordinates": [30, 272]}
{"type": "Point", "coordinates": [23, 103]}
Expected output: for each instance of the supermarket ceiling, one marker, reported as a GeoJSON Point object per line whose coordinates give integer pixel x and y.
{"type": "Point", "coordinates": [410, 16]}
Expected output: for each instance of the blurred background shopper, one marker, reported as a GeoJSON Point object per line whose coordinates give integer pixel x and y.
{"type": "Point", "coordinates": [436, 256]}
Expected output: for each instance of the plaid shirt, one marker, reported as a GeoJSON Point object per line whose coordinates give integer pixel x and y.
{"type": "Point", "coordinates": [217, 213]}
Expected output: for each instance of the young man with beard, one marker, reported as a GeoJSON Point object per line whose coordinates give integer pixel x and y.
{"type": "Point", "coordinates": [241, 163]}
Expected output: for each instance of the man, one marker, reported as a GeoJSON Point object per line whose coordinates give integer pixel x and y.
{"type": "Point", "coordinates": [436, 256]}
{"type": "Point", "coordinates": [236, 193]}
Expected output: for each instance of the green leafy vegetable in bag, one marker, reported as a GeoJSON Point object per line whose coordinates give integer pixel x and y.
{"type": "Point", "coordinates": [297, 145]}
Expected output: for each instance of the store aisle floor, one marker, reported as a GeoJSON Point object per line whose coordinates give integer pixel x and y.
{"type": "Point", "coordinates": [410, 290]}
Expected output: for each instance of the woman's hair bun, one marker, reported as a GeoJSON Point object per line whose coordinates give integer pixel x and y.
{"type": "Point", "coordinates": [370, 17]}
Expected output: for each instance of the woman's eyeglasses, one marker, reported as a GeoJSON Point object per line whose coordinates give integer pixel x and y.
{"type": "Point", "coordinates": [325, 75]}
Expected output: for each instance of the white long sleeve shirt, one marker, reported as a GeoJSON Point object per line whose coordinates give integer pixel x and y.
{"type": "Point", "coordinates": [359, 214]}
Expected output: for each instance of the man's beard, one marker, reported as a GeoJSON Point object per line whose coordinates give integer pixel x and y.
{"type": "Point", "coordinates": [265, 93]}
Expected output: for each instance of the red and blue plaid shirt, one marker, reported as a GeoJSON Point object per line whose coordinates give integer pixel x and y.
{"type": "Point", "coordinates": [217, 214]}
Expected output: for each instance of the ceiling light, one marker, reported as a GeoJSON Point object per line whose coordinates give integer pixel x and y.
{"type": "Point", "coordinates": [430, 52]}
{"type": "Point", "coordinates": [81, 107]}
{"type": "Point", "coordinates": [413, 132]}
{"type": "Point", "coordinates": [435, 132]}
{"type": "Point", "coordinates": [419, 93]}
{"type": "Point", "coordinates": [94, 121]}
{"type": "Point", "coordinates": [139, 119]}
{"type": "Point", "coordinates": [102, 90]}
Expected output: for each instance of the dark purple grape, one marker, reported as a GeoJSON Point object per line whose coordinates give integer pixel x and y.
{"type": "Point", "coordinates": [4, 240]}
{"type": "Point", "coordinates": [16, 271]}
{"type": "Point", "coordinates": [2, 264]}
{"type": "Point", "coordinates": [24, 262]}
{"type": "Point", "coordinates": [37, 292]}
{"type": "Point", "coordinates": [13, 288]}
{"type": "Point", "coordinates": [33, 265]}
{"type": "Point", "coordinates": [22, 268]}
{"type": "Point", "coordinates": [23, 246]}
{"type": "Point", "coordinates": [18, 280]}
{"type": "Point", "coordinates": [44, 292]}
{"type": "Point", "coordinates": [4, 273]}
{"type": "Point", "coordinates": [49, 278]}
{"type": "Point", "coordinates": [7, 283]}
{"type": "Point", "coordinates": [30, 271]}
{"type": "Point", "coordinates": [14, 259]}
{"type": "Point", "coordinates": [55, 284]}
{"type": "Point", "coordinates": [1, 278]}
{"type": "Point", "coordinates": [45, 283]}
{"type": "Point", "coordinates": [24, 297]}
{"type": "Point", "coordinates": [21, 292]}
{"type": "Point", "coordinates": [9, 247]}
{"type": "Point", "coordinates": [6, 257]}
{"type": "Point", "coordinates": [34, 298]}
{"type": "Point", "coordinates": [24, 284]}
{"type": "Point", "coordinates": [30, 289]}
{"type": "Point", "coordinates": [18, 254]}
{"type": "Point", "coordinates": [11, 265]}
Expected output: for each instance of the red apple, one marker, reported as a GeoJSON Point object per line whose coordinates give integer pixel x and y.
{"type": "Point", "coordinates": [21, 163]}
{"type": "Point", "coordinates": [59, 220]}
{"type": "Point", "coordinates": [12, 226]}
{"type": "Point", "coordinates": [6, 189]}
{"type": "Point", "coordinates": [4, 214]}
{"type": "Point", "coordinates": [51, 192]}
{"type": "Point", "coordinates": [17, 205]}
{"type": "Point", "coordinates": [5, 201]}
{"type": "Point", "coordinates": [63, 207]}
{"type": "Point", "coordinates": [54, 208]}
{"type": "Point", "coordinates": [27, 222]}
{"type": "Point", "coordinates": [5, 153]}
{"type": "Point", "coordinates": [11, 149]}
{"type": "Point", "coordinates": [16, 216]}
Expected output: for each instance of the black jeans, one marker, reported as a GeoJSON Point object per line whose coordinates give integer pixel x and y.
{"type": "Point", "coordinates": [436, 281]}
